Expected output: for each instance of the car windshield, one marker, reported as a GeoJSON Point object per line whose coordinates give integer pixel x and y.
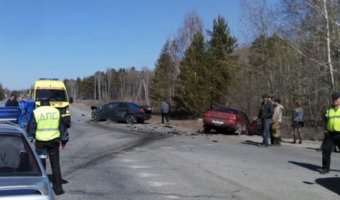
{"type": "Point", "coordinates": [56, 95]}
{"type": "Point", "coordinates": [16, 157]}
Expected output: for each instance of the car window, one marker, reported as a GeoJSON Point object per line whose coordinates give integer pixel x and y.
{"type": "Point", "coordinates": [123, 105]}
{"type": "Point", "coordinates": [16, 157]}
{"type": "Point", "coordinates": [111, 105]}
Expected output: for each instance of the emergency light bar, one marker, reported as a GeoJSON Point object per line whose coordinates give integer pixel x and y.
{"type": "Point", "coordinates": [52, 79]}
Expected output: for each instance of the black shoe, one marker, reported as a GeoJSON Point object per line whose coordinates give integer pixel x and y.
{"type": "Point", "coordinates": [300, 142]}
{"type": "Point", "coordinates": [59, 192]}
{"type": "Point", "coordinates": [324, 171]}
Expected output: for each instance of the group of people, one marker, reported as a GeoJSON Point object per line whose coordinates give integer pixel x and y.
{"type": "Point", "coordinates": [26, 107]}
{"type": "Point", "coordinates": [270, 114]}
{"type": "Point", "coordinates": [45, 125]}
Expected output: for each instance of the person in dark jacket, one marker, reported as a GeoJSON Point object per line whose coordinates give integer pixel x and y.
{"type": "Point", "coordinates": [12, 101]}
{"type": "Point", "coordinates": [265, 114]}
{"type": "Point", "coordinates": [165, 112]}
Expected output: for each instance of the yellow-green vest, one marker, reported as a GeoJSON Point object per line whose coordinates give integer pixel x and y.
{"type": "Point", "coordinates": [333, 120]}
{"type": "Point", "coordinates": [47, 118]}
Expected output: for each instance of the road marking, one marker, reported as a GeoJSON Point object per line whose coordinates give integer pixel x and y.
{"type": "Point", "coordinates": [146, 175]}
{"type": "Point", "coordinates": [139, 167]}
{"type": "Point", "coordinates": [128, 160]}
{"type": "Point", "coordinates": [188, 145]}
{"type": "Point", "coordinates": [172, 197]}
{"type": "Point", "coordinates": [171, 148]}
{"type": "Point", "coordinates": [159, 184]}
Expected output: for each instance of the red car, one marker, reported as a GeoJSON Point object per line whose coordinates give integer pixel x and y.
{"type": "Point", "coordinates": [227, 119]}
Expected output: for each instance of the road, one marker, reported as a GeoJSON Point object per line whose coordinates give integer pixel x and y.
{"type": "Point", "coordinates": [105, 160]}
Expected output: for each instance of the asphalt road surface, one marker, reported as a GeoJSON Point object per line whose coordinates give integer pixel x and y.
{"type": "Point", "coordinates": [106, 160]}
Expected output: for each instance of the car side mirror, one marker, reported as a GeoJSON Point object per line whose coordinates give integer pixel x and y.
{"type": "Point", "coordinates": [71, 100]}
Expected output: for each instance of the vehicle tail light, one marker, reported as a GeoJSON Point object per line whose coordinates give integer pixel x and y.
{"type": "Point", "coordinates": [141, 110]}
{"type": "Point", "coordinates": [231, 118]}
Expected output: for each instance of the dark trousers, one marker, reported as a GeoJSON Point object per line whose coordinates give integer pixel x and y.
{"type": "Point", "coordinates": [327, 148]}
{"type": "Point", "coordinates": [52, 148]}
{"type": "Point", "coordinates": [165, 115]}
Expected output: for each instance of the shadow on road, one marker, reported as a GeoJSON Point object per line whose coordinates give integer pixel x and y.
{"type": "Point", "coordinates": [331, 183]}
{"type": "Point", "coordinates": [310, 166]}
{"type": "Point", "coordinates": [307, 165]}
{"type": "Point", "coordinates": [249, 142]}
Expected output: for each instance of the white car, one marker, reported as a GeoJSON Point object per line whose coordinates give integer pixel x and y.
{"type": "Point", "coordinates": [22, 176]}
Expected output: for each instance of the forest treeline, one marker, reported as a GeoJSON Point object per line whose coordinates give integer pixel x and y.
{"type": "Point", "coordinates": [293, 54]}
{"type": "Point", "coordinates": [291, 51]}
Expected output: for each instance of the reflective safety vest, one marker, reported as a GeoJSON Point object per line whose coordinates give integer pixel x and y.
{"type": "Point", "coordinates": [47, 118]}
{"type": "Point", "coordinates": [333, 120]}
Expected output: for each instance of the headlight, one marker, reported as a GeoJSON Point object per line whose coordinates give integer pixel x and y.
{"type": "Point", "coordinates": [67, 110]}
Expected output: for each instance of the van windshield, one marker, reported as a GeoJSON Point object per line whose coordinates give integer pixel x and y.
{"type": "Point", "coordinates": [56, 95]}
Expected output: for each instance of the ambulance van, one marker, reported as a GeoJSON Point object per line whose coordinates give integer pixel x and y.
{"type": "Point", "coordinates": [58, 99]}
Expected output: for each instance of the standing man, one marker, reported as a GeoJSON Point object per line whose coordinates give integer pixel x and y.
{"type": "Point", "coordinates": [332, 133]}
{"type": "Point", "coordinates": [29, 107]}
{"type": "Point", "coordinates": [12, 101]}
{"type": "Point", "coordinates": [22, 118]}
{"type": "Point", "coordinates": [47, 128]}
{"type": "Point", "coordinates": [277, 119]}
{"type": "Point", "coordinates": [165, 112]}
{"type": "Point", "coordinates": [266, 114]}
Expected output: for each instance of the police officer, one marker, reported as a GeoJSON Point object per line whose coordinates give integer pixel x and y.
{"type": "Point", "coordinates": [332, 134]}
{"type": "Point", "coordinates": [48, 129]}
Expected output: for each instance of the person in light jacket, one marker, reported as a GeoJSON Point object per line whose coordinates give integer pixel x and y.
{"type": "Point", "coordinates": [297, 121]}
{"type": "Point", "coordinates": [277, 119]}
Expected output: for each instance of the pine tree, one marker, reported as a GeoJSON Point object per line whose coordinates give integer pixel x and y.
{"type": "Point", "coordinates": [191, 93]}
{"type": "Point", "coordinates": [160, 86]}
{"type": "Point", "coordinates": [221, 46]}
{"type": "Point", "coordinates": [2, 92]}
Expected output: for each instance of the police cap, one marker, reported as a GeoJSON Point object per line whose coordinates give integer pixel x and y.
{"type": "Point", "coordinates": [44, 95]}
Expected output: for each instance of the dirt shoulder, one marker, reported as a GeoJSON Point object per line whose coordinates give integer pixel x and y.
{"type": "Point", "coordinates": [311, 136]}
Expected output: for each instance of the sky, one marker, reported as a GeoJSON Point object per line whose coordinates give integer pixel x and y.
{"type": "Point", "coordinates": [75, 38]}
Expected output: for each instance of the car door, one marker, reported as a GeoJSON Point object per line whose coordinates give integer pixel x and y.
{"type": "Point", "coordinates": [121, 111]}
{"type": "Point", "coordinates": [108, 110]}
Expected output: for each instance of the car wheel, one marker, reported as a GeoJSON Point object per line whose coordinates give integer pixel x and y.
{"type": "Point", "coordinates": [94, 117]}
{"type": "Point", "coordinates": [206, 129]}
{"type": "Point", "coordinates": [241, 129]}
{"type": "Point", "coordinates": [130, 119]}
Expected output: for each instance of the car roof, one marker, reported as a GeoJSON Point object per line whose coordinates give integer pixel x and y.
{"type": "Point", "coordinates": [6, 128]}
{"type": "Point", "coordinates": [226, 109]}
{"type": "Point", "coordinates": [122, 102]}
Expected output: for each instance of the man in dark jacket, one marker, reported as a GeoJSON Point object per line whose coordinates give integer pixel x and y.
{"type": "Point", "coordinates": [165, 108]}
{"type": "Point", "coordinates": [12, 101]}
{"type": "Point", "coordinates": [266, 114]}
